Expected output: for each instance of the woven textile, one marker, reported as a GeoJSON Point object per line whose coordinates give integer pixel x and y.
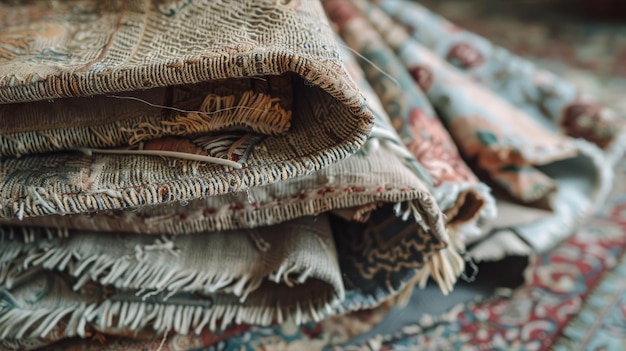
{"type": "Point", "coordinates": [260, 175]}
{"type": "Point", "coordinates": [180, 283]}
{"type": "Point", "coordinates": [508, 119]}
{"type": "Point", "coordinates": [388, 229]}
{"type": "Point", "coordinates": [601, 323]}
{"type": "Point", "coordinates": [566, 288]}
{"type": "Point", "coordinates": [259, 70]}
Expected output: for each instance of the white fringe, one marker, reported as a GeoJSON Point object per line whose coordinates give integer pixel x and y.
{"type": "Point", "coordinates": [162, 317]}
{"type": "Point", "coordinates": [133, 273]}
{"type": "Point", "coordinates": [444, 267]}
{"type": "Point", "coordinates": [136, 315]}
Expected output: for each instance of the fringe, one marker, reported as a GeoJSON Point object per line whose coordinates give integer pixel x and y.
{"type": "Point", "coordinates": [147, 292]}
{"type": "Point", "coordinates": [260, 112]}
{"type": "Point", "coordinates": [15, 241]}
{"type": "Point", "coordinates": [29, 234]}
{"type": "Point", "coordinates": [444, 267]}
{"type": "Point", "coordinates": [161, 317]}
{"type": "Point", "coordinates": [253, 110]}
{"type": "Point", "coordinates": [136, 274]}
{"type": "Point", "coordinates": [425, 211]}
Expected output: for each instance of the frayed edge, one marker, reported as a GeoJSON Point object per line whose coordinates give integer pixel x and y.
{"type": "Point", "coordinates": [444, 267]}
{"type": "Point", "coordinates": [132, 315]}
{"type": "Point", "coordinates": [426, 212]}
{"type": "Point", "coordinates": [318, 200]}
{"type": "Point", "coordinates": [132, 272]}
{"type": "Point", "coordinates": [8, 256]}
{"type": "Point", "coordinates": [14, 242]}
{"type": "Point", "coordinates": [18, 324]}
{"type": "Point", "coordinates": [253, 105]}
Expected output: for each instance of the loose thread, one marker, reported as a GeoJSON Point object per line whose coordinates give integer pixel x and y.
{"type": "Point", "coordinates": [181, 110]}
{"type": "Point", "coordinates": [163, 153]}
{"type": "Point", "coordinates": [162, 344]}
{"type": "Point", "coordinates": [371, 63]}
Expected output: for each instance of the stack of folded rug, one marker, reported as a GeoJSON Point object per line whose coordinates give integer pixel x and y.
{"type": "Point", "coordinates": [269, 175]}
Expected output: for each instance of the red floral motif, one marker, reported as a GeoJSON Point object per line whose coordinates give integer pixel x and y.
{"type": "Point", "coordinates": [465, 56]}
{"type": "Point", "coordinates": [423, 76]}
{"type": "Point", "coordinates": [558, 284]}
{"type": "Point", "coordinates": [434, 149]}
{"type": "Point", "coordinates": [586, 120]}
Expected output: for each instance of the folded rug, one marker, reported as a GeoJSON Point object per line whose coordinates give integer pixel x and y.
{"type": "Point", "coordinates": [538, 92]}
{"type": "Point", "coordinates": [414, 119]}
{"type": "Point", "coordinates": [389, 231]}
{"type": "Point", "coordinates": [571, 299]}
{"type": "Point", "coordinates": [252, 117]}
{"type": "Point", "coordinates": [379, 260]}
{"type": "Point", "coordinates": [129, 283]}
{"type": "Point", "coordinates": [83, 85]}
{"type": "Point", "coordinates": [545, 313]}
{"type": "Point", "coordinates": [548, 149]}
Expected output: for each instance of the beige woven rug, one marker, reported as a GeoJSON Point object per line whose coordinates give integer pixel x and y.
{"type": "Point", "coordinates": [239, 94]}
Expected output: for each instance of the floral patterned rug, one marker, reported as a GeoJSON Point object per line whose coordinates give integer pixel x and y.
{"type": "Point", "coordinates": [566, 289]}
{"type": "Point", "coordinates": [587, 51]}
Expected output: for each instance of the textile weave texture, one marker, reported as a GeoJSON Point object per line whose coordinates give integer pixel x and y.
{"type": "Point", "coordinates": [260, 175]}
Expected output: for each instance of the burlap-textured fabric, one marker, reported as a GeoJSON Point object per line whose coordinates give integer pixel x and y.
{"type": "Point", "coordinates": [389, 232]}
{"type": "Point", "coordinates": [126, 283]}
{"type": "Point", "coordinates": [401, 242]}
{"type": "Point", "coordinates": [258, 85]}
{"type": "Point", "coordinates": [384, 172]}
